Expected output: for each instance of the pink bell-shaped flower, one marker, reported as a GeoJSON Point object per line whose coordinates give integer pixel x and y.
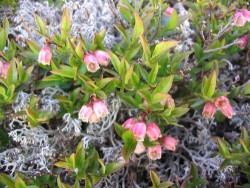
{"type": "Point", "coordinates": [140, 148]}
{"type": "Point", "coordinates": [139, 131]}
{"type": "Point", "coordinates": [246, 14]}
{"type": "Point", "coordinates": [102, 57]}
{"type": "Point", "coordinates": [209, 110]}
{"type": "Point", "coordinates": [224, 106]}
{"type": "Point", "coordinates": [242, 41]}
{"type": "Point", "coordinates": [153, 131]}
{"type": "Point", "coordinates": [85, 113]}
{"type": "Point", "coordinates": [100, 109]}
{"type": "Point", "coordinates": [169, 142]}
{"type": "Point", "coordinates": [45, 56]}
{"type": "Point", "coordinates": [129, 123]}
{"type": "Point", "coordinates": [91, 62]}
{"type": "Point", "coordinates": [4, 67]}
{"type": "Point", "coordinates": [239, 19]}
{"type": "Point", "coordinates": [154, 152]}
{"type": "Point", "coordinates": [169, 11]}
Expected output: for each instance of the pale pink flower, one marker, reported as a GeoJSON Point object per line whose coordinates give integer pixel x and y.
{"type": "Point", "coordinates": [209, 110]}
{"type": "Point", "coordinates": [169, 142]}
{"type": "Point", "coordinates": [169, 11]}
{"type": "Point", "coordinates": [85, 113]}
{"type": "Point", "coordinates": [242, 41]}
{"type": "Point", "coordinates": [154, 152]}
{"type": "Point", "coordinates": [169, 100]}
{"type": "Point", "coordinates": [102, 57]}
{"type": "Point", "coordinates": [4, 67]}
{"type": "Point", "coordinates": [45, 56]}
{"type": "Point", "coordinates": [91, 62]}
{"type": "Point", "coordinates": [153, 131]}
{"type": "Point", "coordinates": [94, 118]}
{"type": "Point", "coordinates": [246, 14]}
{"type": "Point", "coordinates": [239, 19]}
{"type": "Point", "coordinates": [139, 131]}
{"type": "Point", "coordinates": [224, 106]}
{"type": "Point", "coordinates": [129, 123]}
{"type": "Point", "coordinates": [100, 109]}
{"type": "Point", "coordinates": [140, 148]}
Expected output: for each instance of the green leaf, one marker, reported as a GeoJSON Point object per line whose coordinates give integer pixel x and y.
{"type": "Point", "coordinates": [119, 129]}
{"type": "Point", "coordinates": [88, 183]}
{"type": "Point", "coordinates": [146, 48]}
{"type": "Point", "coordinates": [246, 89]}
{"type": "Point", "coordinates": [34, 46]}
{"type": "Point", "coordinates": [153, 73]}
{"type": "Point", "coordinates": [164, 85]}
{"type": "Point", "coordinates": [165, 184]}
{"type": "Point", "coordinates": [40, 24]}
{"type": "Point", "coordinates": [222, 148]}
{"type": "Point", "coordinates": [128, 74]}
{"type": "Point", "coordinates": [122, 31]}
{"type": "Point", "coordinates": [63, 164]}
{"type": "Point", "coordinates": [129, 145]}
{"type": "Point", "coordinates": [179, 111]}
{"type": "Point", "coordinates": [244, 136]}
{"type": "Point", "coordinates": [60, 184]}
{"type": "Point", "coordinates": [3, 38]}
{"type": "Point", "coordinates": [173, 21]}
{"type": "Point", "coordinates": [127, 99]}
{"type": "Point", "coordinates": [65, 23]}
{"type": "Point", "coordinates": [19, 183]}
{"type": "Point", "coordinates": [113, 167]}
{"type": "Point", "coordinates": [66, 71]}
{"type": "Point", "coordinates": [79, 50]}
{"type": "Point", "coordinates": [154, 178]}
{"type": "Point", "coordinates": [7, 180]}
{"type": "Point", "coordinates": [161, 50]}
{"type": "Point", "coordinates": [6, 25]}
{"type": "Point", "coordinates": [210, 85]}
{"type": "Point", "coordinates": [139, 28]}
{"type": "Point", "coordinates": [116, 62]}
{"type": "Point", "coordinates": [12, 74]}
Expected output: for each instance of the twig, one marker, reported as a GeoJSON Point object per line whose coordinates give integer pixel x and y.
{"type": "Point", "coordinates": [158, 26]}
{"type": "Point", "coordinates": [220, 48]}
{"type": "Point", "coordinates": [111, 5]}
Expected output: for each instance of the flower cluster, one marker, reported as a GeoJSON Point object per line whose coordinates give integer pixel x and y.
{"type": "Point", "coordinates": [93, 111]}
{"type": "Point", "coordinates": [140, 129]}
{"type": "Point", "coordinates": [93, 61]}
{"type": "Point", "coordinates": [45, 56]}
{"type": "Point", "coordinates": [241, 17]}
{"type": "Point", "coordinates": [4, 67]}
{"type": "Point", "coordinates": [222, 103]}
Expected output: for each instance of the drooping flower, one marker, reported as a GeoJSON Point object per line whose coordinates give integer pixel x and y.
{"type": "Point", "coordinates": [246, 14]}
{"type": "Point", "coordinates": [209, 110]}
{"type": "Point", "coordinates": [140, 148]}
{"type": "Point", "coordinates": [4, 67]}
{"type": "Point", "coordinates": [100, 109]}
{"type": "Point", "coordinates": [224, 106]}
{"type": "Point", "coordinates": [242, 41]}
{"type": "Point", "coordinates": [45, 56]}
{"type": "Point", "coordinates": [94, 118]}
{"type": "Point", "coordinates": [85, 113]}
{"type": "Point", "coordinates": [91, 62]}
{"type": "Point", "coordinates": [169, 142]}
{"type": "Point", "coordinates": [154, 152]}
{"type": "Point", "coordinates": [102, 57]}
{"type": "Point", "coordinates": [168, 11]}
{"type": "Point", "coordinates": [139, 131]}
{"type": "Point", "coordinates": [169, 100]}
{"type": "Point", "coordinates": [129, 123]}
{"type": "Point", "coordinates": [239, 19]}
{"type": "Point", "coordinates": [153, 131]}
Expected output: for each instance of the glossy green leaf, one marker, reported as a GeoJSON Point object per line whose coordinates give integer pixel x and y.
{"type": "Point", "coordinates": [223, 148]}
{"type": "Point", "coordinates": [139, 28]}
{"type": "Point", "coordinates": [153, 73]}
{"type": "Point", "coordinates": [34, 46]}
{"type": "Point", "coordinates": [129, 144]}
{"type": "Point", "coordinates": [7, 180]}
{"type": "Point", "coordinates": [19, 183]}
{"type": "Point", "coordinates": [113, 167]}
{"type": "Point", "coordinates": [40, 24]}
{"type": "Point", "coordinates": [146, 48]}
{"type": "Point", "coordinates": [210, 85]}
{"type": "Point", "coordinates": [165, 85]}
{"type": "Point", "coordinates": [119, 129]}
{"type": "Point", "coordinates": [155, 179]}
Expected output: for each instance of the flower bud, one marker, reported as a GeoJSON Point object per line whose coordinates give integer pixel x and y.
{"type": "Point", "coordinates": [85, 112]}
{"type": "Point", "coordinates": [168, 11]}
{"type": "Point", "coordinates": [209, 110]}
{"type": "Point", "coordinates": [169, 143]}
{"type": "Point", "coordinates": [100, 109]}
{"type": "Point", "coordinates": [224, 106]}
{"type": "Point", "coordinates": [239, 19]}
{"type": "Point", "coordinates": [102, 57]}
{"type": "Point", "coordinates": [246, 14]}
{"type": "Point", "coordinates": [91, 62]}
{"type": "Point", "coordinates": [154, 152]}
{"type": "Point", "coordinates": [169, 100]}
{"type": "Point", "coordinates": [153, 131]}
{"type": "Point", "coordinates": [242, 41]}
{"type": "Point", "coordinates": [140, 148]}
{"type": "Point", "coordinates": [4, 67]}
{"type": "Point", "coordinates": [129, 123]}
{"type": "Point", "coordinates": [139, 131]}
{"type": "Point", "coordinates": [45, 56]}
